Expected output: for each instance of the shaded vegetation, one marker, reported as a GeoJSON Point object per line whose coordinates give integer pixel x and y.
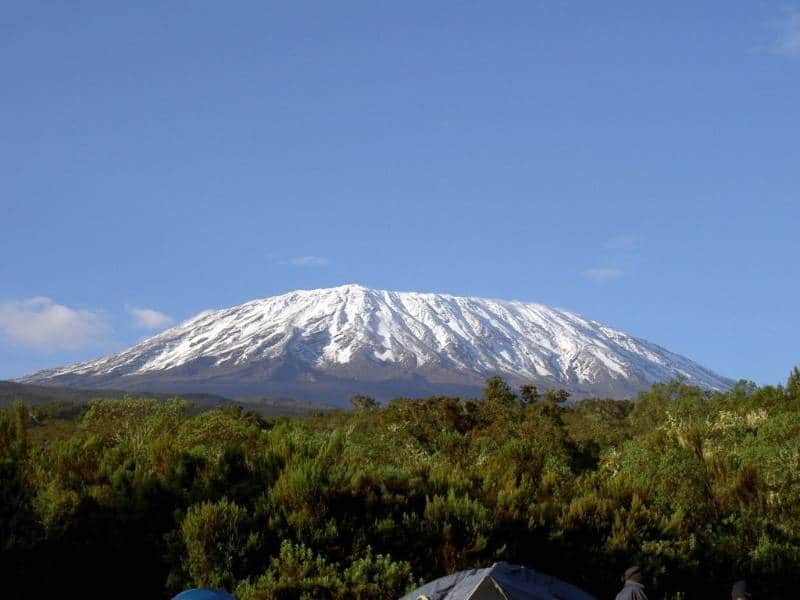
{"type": "Point", "coordinates": [148, 497]}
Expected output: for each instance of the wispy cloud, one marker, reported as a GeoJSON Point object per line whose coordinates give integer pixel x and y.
{"type": "Point", "coordinates": [41, 324]}
{"type": "Point", "coordinates": [614, 256]}
{"type": "Point", "coordinates": [147, 318]}
{"type": "Point", "coordinates": [307, 261]}
{"type": "Point", "coordinates": [602, 274]}
{"type": "Point", "coordinates": [788, 39]}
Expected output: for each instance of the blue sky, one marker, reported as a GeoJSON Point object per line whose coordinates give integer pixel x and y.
{"type": "Point", "coordinates": [638, 164]}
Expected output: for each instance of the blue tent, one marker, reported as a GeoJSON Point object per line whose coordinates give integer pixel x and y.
{"type": "Point", "coordinates": [198, 594]}
{"type": "Point", "coordinates": [501, 581]}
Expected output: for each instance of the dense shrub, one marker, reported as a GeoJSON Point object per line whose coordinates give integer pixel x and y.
{"type": "Point", "coordinates": [700, 488]}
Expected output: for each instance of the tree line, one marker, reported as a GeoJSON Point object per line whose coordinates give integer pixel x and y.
{"type": "Point", "coordinates": [142, 497]}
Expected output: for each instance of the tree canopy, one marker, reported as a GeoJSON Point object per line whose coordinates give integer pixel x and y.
{"type": "Point", "coordinates": [700, 488]}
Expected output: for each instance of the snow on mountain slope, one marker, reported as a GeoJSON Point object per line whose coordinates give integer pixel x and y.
{"type": "Point", "coordinates": [352, 333]}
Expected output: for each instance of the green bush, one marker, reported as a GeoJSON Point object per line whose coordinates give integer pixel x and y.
{"type": "Point", "coordinates": [217, 543]}
{"type": "Point", "coordinates": [699, 488]}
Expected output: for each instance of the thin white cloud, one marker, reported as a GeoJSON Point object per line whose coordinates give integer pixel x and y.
{"type": "Point", "coordinates": [308, 261]}
{"type": "Point", "coordinates": [41, 324]}
{"type": "Point", "coordinates": [147, 318]}
{"type": "Point", "coordinates": [602, 274]}
{"type": "Point", "coordinates": [788, 40]}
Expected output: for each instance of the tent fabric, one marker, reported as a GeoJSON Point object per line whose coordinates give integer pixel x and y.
{"type": "Point", "coordinates": [203, 594]}
{"type": "Point", "coordinates": [501, 581]}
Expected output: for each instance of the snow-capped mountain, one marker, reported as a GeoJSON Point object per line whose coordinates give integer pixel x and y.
{"type": "Point", "coordinates": [327, 344]}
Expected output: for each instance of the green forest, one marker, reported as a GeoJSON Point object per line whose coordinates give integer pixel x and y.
{"type": "Point", "coordinates": [142, 497]}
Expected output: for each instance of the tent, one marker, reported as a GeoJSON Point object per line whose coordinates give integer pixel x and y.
{"type": "Point", "coordinates": [501, 581]}
{"type": "Point", "coordinates": [203, 594]}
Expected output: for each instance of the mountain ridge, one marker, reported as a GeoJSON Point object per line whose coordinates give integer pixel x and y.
{"type": "Point", "coordinates": [349, 339]}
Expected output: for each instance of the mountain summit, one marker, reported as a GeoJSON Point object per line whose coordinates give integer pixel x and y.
{"type": "Point", "coordinates": [327, 344]}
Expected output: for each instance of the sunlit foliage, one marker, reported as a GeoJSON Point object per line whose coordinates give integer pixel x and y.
{"type": "Point", "coordinates": [700, 488]}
